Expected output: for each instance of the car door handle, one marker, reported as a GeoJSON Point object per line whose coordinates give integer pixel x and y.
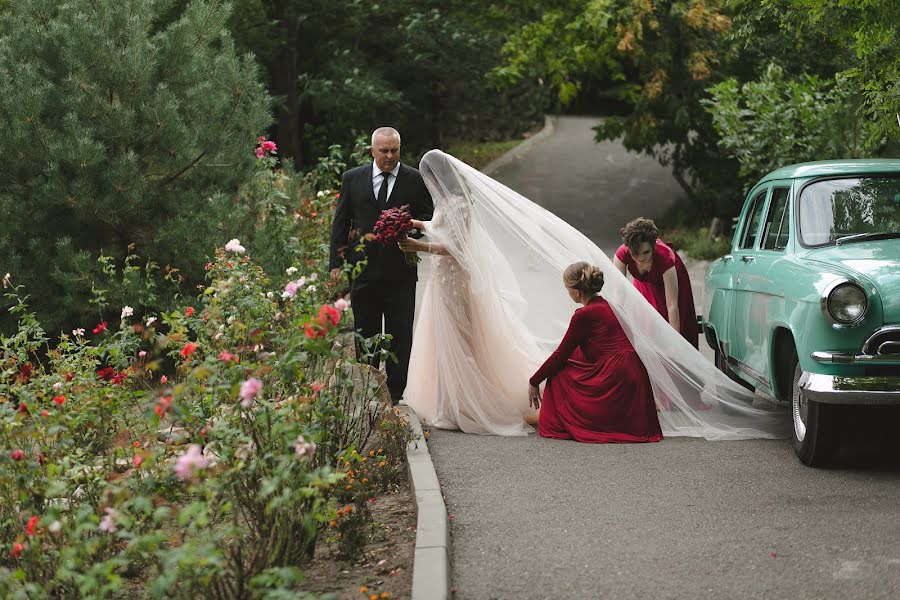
{"type": "Point", "coordinates": [726, 258]}
{"type": "Point", "coordinates": [747, 259]}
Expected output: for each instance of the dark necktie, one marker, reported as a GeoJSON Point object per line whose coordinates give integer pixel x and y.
{"type": "Point", "coordinates": [383, 191]}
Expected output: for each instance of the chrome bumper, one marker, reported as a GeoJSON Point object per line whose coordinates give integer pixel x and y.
{"type": "Point", "coordinates": [845, 358]}
{"type": "Point", "coordinates": [837, 389]}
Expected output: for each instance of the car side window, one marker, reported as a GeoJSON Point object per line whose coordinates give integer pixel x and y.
{"type": "Point", "coordinates": [754, 216]}
{"type": "Point", "coordinates": [775, 235]}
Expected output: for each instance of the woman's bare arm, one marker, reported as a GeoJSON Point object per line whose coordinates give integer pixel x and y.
{"type": "Point", "coordinates": [670, 280]}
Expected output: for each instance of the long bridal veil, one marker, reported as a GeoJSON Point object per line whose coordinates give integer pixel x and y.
{"type": "Point", "coordinates": [513, 253]}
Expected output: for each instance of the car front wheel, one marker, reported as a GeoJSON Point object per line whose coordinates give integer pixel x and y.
{"type": "Point", "coordinates": [814, 432]}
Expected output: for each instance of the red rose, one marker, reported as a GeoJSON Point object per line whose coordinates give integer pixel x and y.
{"type": "Point", "coordinates": [100, 327]}
{"type": "Point", "coordinates": [17, 455]}
{"type": "Point", "coordinates": [189, 312]}
{"type": "Point", "coordinates": [329, 314]}
{"type": "Point", "coordinates": [188, 349]}
{"type": "Point", "coordinates": [59, 400]}
{"type": "Point", "coordinates": [16, 550]}
{"type": "Point", "coordinates": [25, 372]}
{"type": "Point", "coordinates": [313, 331]}
{"type": "Point", "coordinates": [32, 524]}
{"type": "Point", "coordinates": [106, 373]}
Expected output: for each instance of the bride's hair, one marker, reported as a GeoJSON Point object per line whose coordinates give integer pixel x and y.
{"type": "Point", "coordinates": [583, 277]}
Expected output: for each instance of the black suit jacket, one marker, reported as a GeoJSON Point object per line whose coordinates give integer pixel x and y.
{"type": "Point", "coordinates": [355, 216]}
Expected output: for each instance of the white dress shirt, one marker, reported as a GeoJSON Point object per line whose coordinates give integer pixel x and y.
{"type": "Point", "coordinates": [377, 179]}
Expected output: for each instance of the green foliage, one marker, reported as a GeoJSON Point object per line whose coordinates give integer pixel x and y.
{"type": "Point", "coordinates": [199, 452]}
{"type": "Point", "coordinates": [655, 57]}
{"type": "Point", "coordinates": [697, 244]}
{"type": "Point", "coordinates": [478, 155]}
{"type": "Point", "coordinates": [777, 121]}
{"type": "Point", "coordinates": [663, 59]}
{"type": "Point", "coordinates": [121, 136]}
{"type": "Point", "coordinates": [342, 68]}
{"type": "Point", "coordinates": [855, 39]}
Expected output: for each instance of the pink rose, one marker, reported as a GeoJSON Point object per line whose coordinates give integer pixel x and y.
{"type": "Point", "coordinates": [190, 461]}
{"type": "Point", "coordinates": [249, 390]}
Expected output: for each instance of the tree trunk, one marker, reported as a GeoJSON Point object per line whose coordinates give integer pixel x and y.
{"type": "Point", "coordinates": [434, 114]}
{"type": "Point", "coordinates": [284, 83]}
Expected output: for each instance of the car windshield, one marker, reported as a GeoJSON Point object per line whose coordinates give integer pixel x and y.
{"type": "Point", "coordinates": [833, 209]}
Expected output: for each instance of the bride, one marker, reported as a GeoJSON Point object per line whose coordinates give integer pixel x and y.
{"type": "Point", "coordinates": [493, 310]}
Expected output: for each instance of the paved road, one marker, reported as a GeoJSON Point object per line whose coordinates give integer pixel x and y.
{"type": "Point", "coordinates": [596, 187]}
{"type": "Point", "coordinates": [536, 518]}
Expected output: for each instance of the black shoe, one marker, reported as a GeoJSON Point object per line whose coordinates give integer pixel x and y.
{"type": "Point", "coordinates": [395, 398]}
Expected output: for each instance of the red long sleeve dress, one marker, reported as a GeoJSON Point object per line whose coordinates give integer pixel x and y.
{"type": "Point", "coordinates": [652, 287]}
{"type": "Point", "coordinates": [598, 389]}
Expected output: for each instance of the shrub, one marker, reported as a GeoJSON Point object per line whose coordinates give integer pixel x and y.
{"type": "Point", "coordinates": [199, 451]}
{"type": "Point", "coordinates": [122, 134]}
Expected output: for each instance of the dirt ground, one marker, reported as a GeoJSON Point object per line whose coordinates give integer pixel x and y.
{"type": "Point", "coordinates": [386, 562]}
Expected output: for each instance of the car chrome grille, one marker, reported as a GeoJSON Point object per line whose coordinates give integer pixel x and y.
{"type": "Point", "coordinates": [884, 342]}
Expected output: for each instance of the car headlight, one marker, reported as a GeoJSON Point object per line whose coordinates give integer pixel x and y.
{"type": "Point", "coordinates": [845, 303]}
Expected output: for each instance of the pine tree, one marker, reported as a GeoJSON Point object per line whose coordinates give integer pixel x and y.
{"type": "Point", "coordinates": [123, 130]}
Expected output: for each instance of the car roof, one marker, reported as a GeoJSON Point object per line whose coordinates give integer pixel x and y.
{"type": "Point", "coordinates": [824, 168]}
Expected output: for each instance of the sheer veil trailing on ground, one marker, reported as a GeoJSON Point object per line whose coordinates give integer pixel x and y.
{"type": "Point", "coordinates": [513, 253]}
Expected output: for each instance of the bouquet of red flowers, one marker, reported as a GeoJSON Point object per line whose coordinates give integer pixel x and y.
{"type": "Point", "coordinates": [393, 225]}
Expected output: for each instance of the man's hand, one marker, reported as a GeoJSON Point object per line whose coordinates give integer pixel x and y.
{"type": "Point", "coordinates": [336, 274]}
{"type": "Point", "coordinates": [534, 396]}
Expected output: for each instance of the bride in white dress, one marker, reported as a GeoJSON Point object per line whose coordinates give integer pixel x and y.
{"type": "Point", "coordinates": [471, 353]}
{"type": "Point", "coordinates": [493, 309]}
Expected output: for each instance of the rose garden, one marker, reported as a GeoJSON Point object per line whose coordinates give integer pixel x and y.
{"type": "Point", "coordinates": [201, 450]}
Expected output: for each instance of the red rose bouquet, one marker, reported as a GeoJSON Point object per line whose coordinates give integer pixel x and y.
{"type": "Point", "coordinates": [393, 225]}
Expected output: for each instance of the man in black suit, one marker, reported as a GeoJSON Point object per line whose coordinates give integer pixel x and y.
{"type": "Point", "coordinates": [386, 287]}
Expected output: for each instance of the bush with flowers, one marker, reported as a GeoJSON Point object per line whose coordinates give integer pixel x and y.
{"type": "Point", "coordinates": [194, 452]}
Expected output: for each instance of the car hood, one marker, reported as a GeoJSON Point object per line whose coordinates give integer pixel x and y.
{"type": "Point", "coordinates": [877, 261]}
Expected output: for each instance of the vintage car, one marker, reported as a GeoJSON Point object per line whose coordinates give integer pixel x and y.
{"type": "Point", "coordinates": [806, 308]}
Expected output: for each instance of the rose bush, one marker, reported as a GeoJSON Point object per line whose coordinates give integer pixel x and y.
{"type": "Point", "coordinates": [198, 451]}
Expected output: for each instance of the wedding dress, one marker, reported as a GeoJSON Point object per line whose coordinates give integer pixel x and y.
{"type": "Point", "coordinates": [494, 307]}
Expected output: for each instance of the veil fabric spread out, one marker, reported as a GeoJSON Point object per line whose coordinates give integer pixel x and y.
{"type": "Point", "coordinates": [495, 307]}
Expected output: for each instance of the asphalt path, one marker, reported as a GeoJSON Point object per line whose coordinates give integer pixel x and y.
{"type": "Point", "coordinates": [684, 518]}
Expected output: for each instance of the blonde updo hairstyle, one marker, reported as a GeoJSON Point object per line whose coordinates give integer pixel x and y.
{"type": "Point", "coordinates": [584, 277]}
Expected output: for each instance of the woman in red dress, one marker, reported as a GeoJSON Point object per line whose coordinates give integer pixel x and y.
{"type": "Point", "coordinates": [659, 275]}
{"type": "Point", "coordinates": [598, 389]}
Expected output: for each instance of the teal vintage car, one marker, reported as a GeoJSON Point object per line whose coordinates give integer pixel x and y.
{"type": "Point", "coordinates": [806, 307]}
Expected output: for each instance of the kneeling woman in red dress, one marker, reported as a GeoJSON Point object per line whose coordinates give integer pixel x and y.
{"type": "Point", "coordinates": [602, 394]}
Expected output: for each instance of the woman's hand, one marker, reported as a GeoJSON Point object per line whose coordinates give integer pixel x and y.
{"type": "Point", "coordinates": [412, 245]}
{"type": "Point", "coordinates": [418, 224]}
{"type": "Point", "coordinates": [534, 396]}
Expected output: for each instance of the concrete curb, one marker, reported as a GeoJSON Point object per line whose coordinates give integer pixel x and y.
{"type": "Point", "coordinates": [520, 150]}
{"type": "Point", "coordinates": [431, 563]}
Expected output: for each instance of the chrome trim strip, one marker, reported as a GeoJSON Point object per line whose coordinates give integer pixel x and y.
{"type": "Point", "coordinates": [749, 371]}
{"type": "Point", "coordinates": [844, 358]}
{"type": "Point", "coordinates": [833, 389]}
{"type": "Point", "coordinates": [866, 349]}
{"type": "Point", "coordinates": [889, 348]}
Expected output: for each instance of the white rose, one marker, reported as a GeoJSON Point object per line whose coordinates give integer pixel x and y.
{"type": "Point", "coordinates": [234, 245]}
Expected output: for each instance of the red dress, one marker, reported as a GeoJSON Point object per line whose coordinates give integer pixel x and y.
{"type": "Point", "coordinates": [602, 394]}
{"type": "Point", "coordinates": [652, 287]}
